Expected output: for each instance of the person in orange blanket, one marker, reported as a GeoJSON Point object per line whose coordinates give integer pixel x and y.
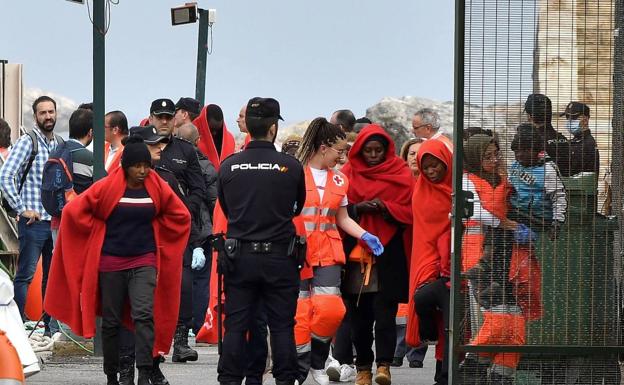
{"type": "Point", "coordinates": [415, 356]}
{"type": "Point", "coordinates": [430, 260]}
{"type": "Point", "coordinates": [121, 239]}
{"type": "Point", "coordinates": [380, 199]}
{"type": "Point", "coordinates": [215, 141]}
{"type": "Point", "coordinates": [320, 308]}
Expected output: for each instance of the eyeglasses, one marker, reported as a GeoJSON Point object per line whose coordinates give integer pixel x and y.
{"type": "Point", "coordinates": [421, 126]}
{"type": "Point", "coordinates": [492, 157]}
{"type": "Point", "coordinates": [340, 152]}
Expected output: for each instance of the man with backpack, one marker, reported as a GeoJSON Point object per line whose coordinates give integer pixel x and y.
{"type": "Point", "coordinates": [69, 169]}
{"type": "Point", "coordinates": [20, 183]}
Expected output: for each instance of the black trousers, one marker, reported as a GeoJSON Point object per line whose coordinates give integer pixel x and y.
{"type": "Point", "coordinates": [137, 285]}
{"type": "Point", "coordinates": [427, 299]}
{"type": "Point", "coordinates": [185, 312]}
{"type": "Point", "coordinates": [201, 290]}
{"type": "Point", "coordinates": [185, 315]}
{"type": "Point", "coordinates": [372, 311]}
{"type": "Point", "coordinates": [343, 346]}
{"type": "Point", "coordinates": [273, 279]}
{"type": "Point", "coordinates": [257, 348]}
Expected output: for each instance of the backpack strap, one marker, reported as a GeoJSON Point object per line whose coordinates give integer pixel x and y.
{"type": "Point", "coordinates": [33, 154]}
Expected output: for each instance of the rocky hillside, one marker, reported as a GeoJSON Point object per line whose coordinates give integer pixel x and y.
{"type": "Point", "coordinates": [395, 115]}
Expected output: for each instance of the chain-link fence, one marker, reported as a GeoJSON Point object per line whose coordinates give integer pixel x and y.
{"type": "Point", "coordinates": [537, 285]}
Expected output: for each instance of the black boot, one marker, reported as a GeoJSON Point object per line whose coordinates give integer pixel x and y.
{"type": "Point", "coordinates": [111, 379]}
{"type": "Point", "coordinates": [126, 370]}
{"type": "Point", "coordinates": [144, 376]}
{"type": "Point", "coordinates": [278, 382]}
{"type": "Point", "coordinates": [156, 376]}
{"type": "Point", "coordinates": [181, 350]}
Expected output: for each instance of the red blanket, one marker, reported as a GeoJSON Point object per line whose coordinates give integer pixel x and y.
{"type": "Point", "coordinates": [391, 181]}
{"type": "Point", "coordinates": [72, 294]}
{"type": "Point", "coordinates": [431, 205]}
{"type": "Point", "coordinates": [206, 144]}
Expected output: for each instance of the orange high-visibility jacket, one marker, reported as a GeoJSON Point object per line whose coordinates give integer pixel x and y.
{"type": "Point", "coordinates": [502, 325]}
{"type": "Point", "coordinates": [494, 200]}
{"type": "Point", "coordinates": [319, 219]}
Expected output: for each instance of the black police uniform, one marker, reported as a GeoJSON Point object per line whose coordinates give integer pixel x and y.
{"type": "Point", "coordinates": [260, 191]}
{"type": "Point", "coordinates": [584, 155]}
{"type": "Point", "coordinates": [179, 157]}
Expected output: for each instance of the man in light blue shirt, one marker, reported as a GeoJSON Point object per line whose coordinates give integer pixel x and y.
{"type": "Point", "coordinates": [35, 237]}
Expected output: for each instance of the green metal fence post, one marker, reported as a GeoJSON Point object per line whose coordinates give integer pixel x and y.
{"type": "Point", "coordinates": [202, 54]}
{"type": "Point", "coordinates": [99, 66]}
{"type": "Point", "coordinates": [454, 334]}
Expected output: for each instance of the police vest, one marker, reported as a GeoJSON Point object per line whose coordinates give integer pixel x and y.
{"type": "Point", "coordinates": [319, 219]}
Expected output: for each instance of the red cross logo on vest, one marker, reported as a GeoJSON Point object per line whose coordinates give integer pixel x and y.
{"type": "Point", "coordinates": [338, 180]}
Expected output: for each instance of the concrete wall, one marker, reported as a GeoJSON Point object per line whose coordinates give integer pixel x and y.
{"type": "Point", "coordinates": [574, 62]}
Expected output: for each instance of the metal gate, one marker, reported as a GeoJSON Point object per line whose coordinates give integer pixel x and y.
{"type": "Point", "coordinates": [542, 303]}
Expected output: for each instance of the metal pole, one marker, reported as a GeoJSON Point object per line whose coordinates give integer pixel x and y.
{"type": "Point", "coordinates": [202, 54]}
{"type": "Point", "coordinates": [99, 25]}
{"type": "Point", "coordinates": [454, 333]}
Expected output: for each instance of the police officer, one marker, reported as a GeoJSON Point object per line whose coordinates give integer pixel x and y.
{"type": "Point", "coordinates": [260, 191]}
{"type": "Point", "coordinates": [539, 111]}
{"type": "Point", "coordinates": [179, 157]}
{"type": "Point", "coordinates": [584, 155]}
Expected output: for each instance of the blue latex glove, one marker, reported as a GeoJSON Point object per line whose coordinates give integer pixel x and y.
{"type": "Point", "coordinates": [373, 243]}
{"type": "Point", "coordinates": [523, 235]}
{"type": "Point", "coordinates": [199, 258]}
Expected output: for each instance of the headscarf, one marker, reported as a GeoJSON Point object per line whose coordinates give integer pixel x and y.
{"type": "Point", "coordinates": [474, 149]}
{"type": "Point", "coordinates": [391, 181]}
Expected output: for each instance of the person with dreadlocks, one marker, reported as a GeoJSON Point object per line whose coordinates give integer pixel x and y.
{"type": "Point", "coordinates": [320, 308]}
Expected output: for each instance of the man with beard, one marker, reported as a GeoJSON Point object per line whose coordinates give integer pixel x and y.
{"type": "Point", "coordinates": [20, 182]}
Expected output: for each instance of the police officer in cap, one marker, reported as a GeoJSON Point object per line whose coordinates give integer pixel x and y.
{"type": "Point", "coordinates": [179, 157]}
{"type": "Point", "coordinates": [260, 191]}
{"type": "Point", "coordinates": [539, 111]}
{"type": "Point", "coordinates": [584, 155]}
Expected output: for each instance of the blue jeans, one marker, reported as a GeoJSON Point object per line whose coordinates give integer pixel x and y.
{"type": "Point", "coordinates": [34, 240]}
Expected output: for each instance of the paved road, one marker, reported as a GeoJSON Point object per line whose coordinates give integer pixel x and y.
{"type": "Point", "coordinates": [78, 370]}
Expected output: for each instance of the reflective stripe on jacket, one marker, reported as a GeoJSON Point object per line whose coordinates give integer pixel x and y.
{"type": "Point", "coordinates": [319, 219]}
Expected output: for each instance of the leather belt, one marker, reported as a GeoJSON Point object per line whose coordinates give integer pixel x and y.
{"type": "Point", "coordinates": [264, 247]}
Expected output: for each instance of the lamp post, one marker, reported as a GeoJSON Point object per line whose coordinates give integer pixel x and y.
{"type": "Point", "coordinates": [187, 14]}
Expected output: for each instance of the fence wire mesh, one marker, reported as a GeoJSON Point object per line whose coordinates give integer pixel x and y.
{"type": "Point", "coordinates": [541, 255]}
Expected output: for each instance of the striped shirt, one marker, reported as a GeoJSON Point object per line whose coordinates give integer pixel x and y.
{"type": "Point", "coordinates": [129, 231]}
{"type": "Point", "coordinates": [12, 171]}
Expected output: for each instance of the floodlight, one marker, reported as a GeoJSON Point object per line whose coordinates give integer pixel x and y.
{"type": "Point", "coordinates": [184, 14]}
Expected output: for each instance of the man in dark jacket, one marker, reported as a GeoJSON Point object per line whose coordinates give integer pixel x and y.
{"type": "Point", "coordinates": [201, 275]}
{"type": "Point", "coordinates": [539, 110]}
{"type": "Point", "coordinates": [584, 155]}
{"type": "Point", "coordinates": [180, 157]}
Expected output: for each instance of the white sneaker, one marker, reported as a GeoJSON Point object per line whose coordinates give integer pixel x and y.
{"type": "Point", "coordinates": [319, 376]}
{"type": "Point", "coordinates": [333, 369]}
{"type": "Point", "coordinates": [347, 373]}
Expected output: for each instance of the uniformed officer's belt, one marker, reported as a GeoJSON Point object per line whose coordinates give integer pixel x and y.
{"type": "Point", "coordinates": [264, 247]}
